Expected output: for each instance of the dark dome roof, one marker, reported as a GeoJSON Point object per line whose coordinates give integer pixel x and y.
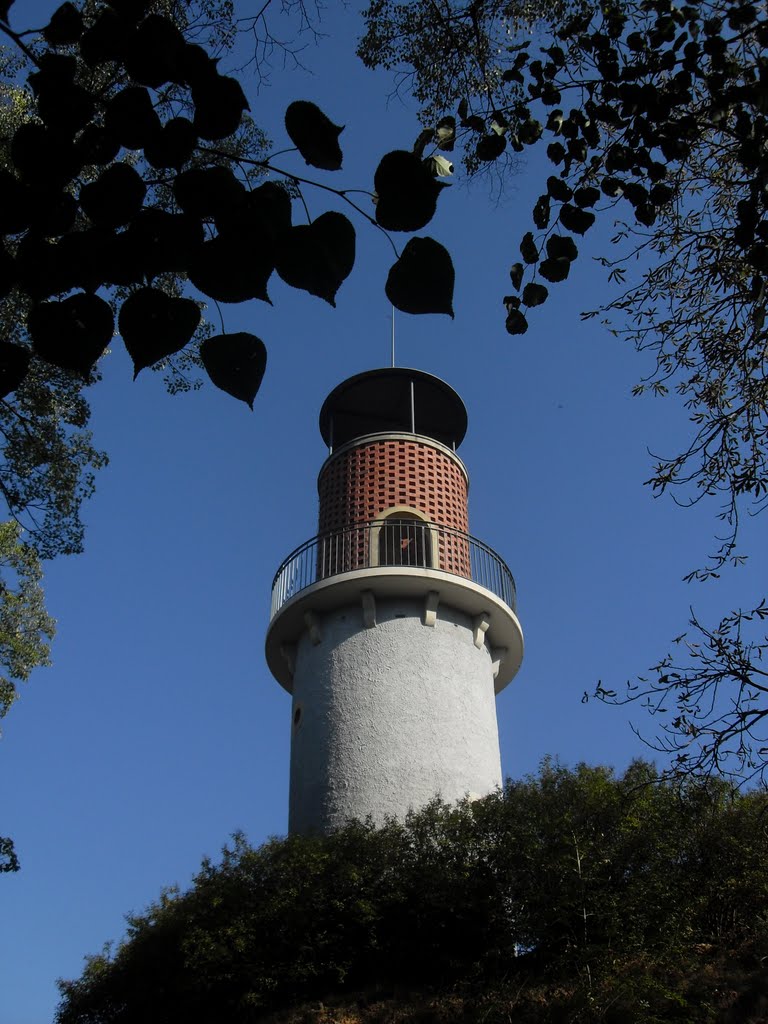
{"type": "Point", "coordinates": [379, 401]}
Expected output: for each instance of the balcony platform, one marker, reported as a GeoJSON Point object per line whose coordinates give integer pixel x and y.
{"type": "Point", "coordinates": [496, 622]}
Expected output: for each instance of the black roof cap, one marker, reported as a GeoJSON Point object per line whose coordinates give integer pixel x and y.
{"type": "Point", "coordinates": [379, 401]}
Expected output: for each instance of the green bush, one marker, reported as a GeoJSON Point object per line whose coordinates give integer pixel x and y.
{"type": "Point", "coordinates": [609, 891]}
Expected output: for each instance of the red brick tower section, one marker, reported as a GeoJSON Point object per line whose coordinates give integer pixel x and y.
{"type": "Point", "coordinates": [395, 431]}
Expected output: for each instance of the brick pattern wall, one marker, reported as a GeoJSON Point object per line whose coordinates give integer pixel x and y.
{"type": "Point", "coordinates": [365, 480]}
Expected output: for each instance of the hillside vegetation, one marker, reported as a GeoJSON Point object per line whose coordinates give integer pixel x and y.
{"type": "Point", "coordinates": [575, 895]}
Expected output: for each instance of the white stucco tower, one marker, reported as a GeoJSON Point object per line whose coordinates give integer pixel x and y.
{"type": "Point", "coordinates": [393, 628]}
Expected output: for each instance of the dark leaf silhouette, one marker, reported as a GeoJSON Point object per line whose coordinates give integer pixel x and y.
{"type": "Point", "coordinates": [586, 196]}
{"type": "Point", "coordinates": [115, 197]}
{"type": "Point", "coordinates": [107, 38]}
{"type": "Point", "coordinates": [158, 241]}
{"type": "Point", "coordinates": [194, 66]}
{"type": "Point", "coordinates": [131, 118]}
{"type": "Point", "coordinates": [65, 26]}
{"type": "Point", "coordinates": [534, 294]}
{"type": "Point", "coordinates": [573, 218]}
{"type": "Point", "coordinates": [40, 268]}
{"type": "Point", "coordinates": [5, 6]}
{"type": "Point", "coordinates": [208, 192]}
{"type": "Point", "coordinates": [528, 249]}
{"type": "Point", "coordinates": [72, 334]}
{"type": "Point", "coordinates": [555, 269]}
{"type": "Point", "coordinates": [541, 212]}
{"type": "Point", "coordinates": [173, 145]}
{"type": "Point", "coordinates": [318, 257]}
{"type": "Point", "coordinates": [14, 363]}
{"type": "Point", "coordinates": [422, 279]}
{"type": "Point", "coordinates": [96, 146]}
{"type": "Point", "coordinates": [153, 52]}
{"type": "Point", "coordinates": [265, 210]}
{"type": "Point", "coordinates": [407, 192]}
{"type": "Point", "coordinates": [52, 211]}
{"type": "Point", "coordinates": [314, 135]}
{"type": "Point", "coordinates": [235, 363]}
{"type": "Point", "coordinates": [7, 271]}
{"type": "Point", "coordinates": [558, 189]}
{"type": "Point", "coordinates": [15, 209]}
{"type": "Point", "coordinates": [516, 274]}
{"type": "Point", "coordinates": [118, 263]}
{"type": "Point", "coordinates": [233, 268]}
{"type": "Point", "coordinates": [219, 105]}
{"type": "Point", "coordinates": [65, 107]}
{"type": "Point", "coordinates": [490, 147]}
{"type": "Point", "coordinates": [559, 246]}
{"type": "Point", "coordinates": [132, 10]}
{"type": "Point", "coordinates": [41, 157]}
{"type": "Point", "coordinates": [154, 325]}
{"type": "Point", "coordinates": [516, 322]}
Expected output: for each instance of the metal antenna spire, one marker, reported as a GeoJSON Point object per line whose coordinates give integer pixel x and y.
{"type": "Point", "coordinates": [393, 335]}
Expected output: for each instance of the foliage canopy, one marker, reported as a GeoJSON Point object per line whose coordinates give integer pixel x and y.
{"type": "Point", "coordinates": [653, 119]}
{"type": "Point", "coordinates": [580, 891]}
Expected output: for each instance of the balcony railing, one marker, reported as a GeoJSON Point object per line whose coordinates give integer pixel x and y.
{"type": "Point", "coordinates": [406, 543]}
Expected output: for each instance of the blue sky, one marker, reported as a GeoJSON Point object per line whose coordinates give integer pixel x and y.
{"type": "Point", "coordinates": [159, 731]}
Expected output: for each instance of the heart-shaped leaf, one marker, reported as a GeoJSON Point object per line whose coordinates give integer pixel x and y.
{"type": "Point", "coordinates": [115, 197]}
{"type": "Point", "coordinates": [555, 269]}
{"type": "Point", "coordinates": [528, 248]}
{"type": "Point", "coordinates": [534, 294]}
{"type": "Point", "coordinates": [154, 325]}
{"type": "Point", "coordinates": [96, 146]}
{"type": "Point", "coordinates": [40, 268]}
{"type": "Point", "coordinates": [66, 108]}
{"type": "Point", "coordinates": [490, 147]}
{"type": "Point", "coordinates": [586, 196]}
{"type": "Point", "coordinates": [235, 363]}
{"type": "Point", "coordinates": [42, 157]}
{"type": "Point", "coordinates": [407, 192]}
{"type": "Point", "coordinates": [516, 322]}
{"type": "Point", "coordinates": [52, 211]}
{"type": "Point", "coordinates": [161, 241]}
{"type": "Point", "coordinates": [71, 334]}
{"type": "Point", "coordinates": [561, 246]}
{"type": "Point", "coordinates": [173, 145]}
{"type": "Point", "coordinates": [14, 363]}
{"type": "Point", "coordinates": [107, 38]}
{"type": "Point", "coordinates": [84, 258]}
{"type": "Point", "coordinates": [131, 118]}
{"type": "Point", "coordinates": [314, 135]}
{"type": "Point", "coordinates": [318, 257]}
{"type": "Point", "coordinates": [421, 281]}
{"type": "Point", "coordinates": [265, 210]}
{"type": "Point", "coordinates": [65, 26]}
{"type": "Point", "coordinates": [219, 105]}
{"type": "Point", "coordinates": [516, 274]}
{"type": "Point", "coordinates": [573, 218]}
{"type": "Point", "coordinates": [208, 191]}
{"type": "Point", "coordinates": [194, 66]}
{"type": "Point", "coordinates": [153, 52]}
{"type": "Point", "coordinates": [541, 212]}
{"type": "Point", "coordinates": [558, 189]}
{"type": "Point", "coordinates": [233, 268]}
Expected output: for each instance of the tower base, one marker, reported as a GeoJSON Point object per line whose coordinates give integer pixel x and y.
{"type": "Point", "coordinates": [392, 706]}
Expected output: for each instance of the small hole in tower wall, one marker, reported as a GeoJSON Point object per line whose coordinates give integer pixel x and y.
{"type": "Point", "coordinates": [296, 717]}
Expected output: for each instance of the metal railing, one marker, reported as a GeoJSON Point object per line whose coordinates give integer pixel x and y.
{"type": "Point", "coordinates": [408, 543]}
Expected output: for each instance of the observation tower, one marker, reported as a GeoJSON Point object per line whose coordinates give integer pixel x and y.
{"type": "Point", "coordinates": [393, 628]}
